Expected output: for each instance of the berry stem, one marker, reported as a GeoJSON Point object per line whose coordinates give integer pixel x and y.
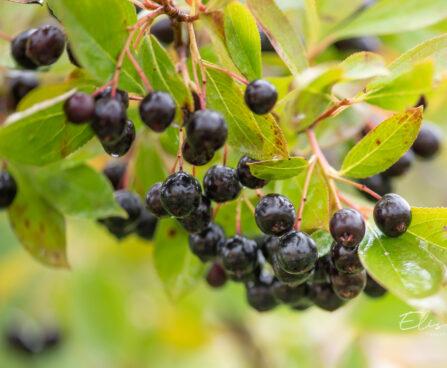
{"type": "Point", "coordinates": [6, 37]}
{"type": "Point", "coordinates": [181, 52]}
{"type": "Point", "coordinates": [249, 204]}
{"type": "Point", "coordinates": [358, 208]}
{"type": "Point", "coordinates": [141, 34]}
{"type": "Point", "coordinates": [149, 5]}
{"type": "Point", "coordinates": [334, 110]}
{"type": "Point", "coordinates": [231, 74]}
{"type": "Point", "coordinates": [299, 216]}
{"type": "Point", "coordinates": [197, 60]}
{"type": "Point", "coordinates": [259, 193]}
{"type": "Point", "coordinates": [179, 157]}
{"type": "Point", "coordinates": [359, 186]}
{"type": "Point", "coordinates": [238, 216]}
{"type": "Point", "coordinates": [139, 70]}
{"type": "Point", "coordinates": [216, 210]}
{"type": "Point", "coordinates": [135, 98]}
{"type": "Point", "coordinates": [100, 89]}
{"type": "Point", "coordinates": [225, 154]}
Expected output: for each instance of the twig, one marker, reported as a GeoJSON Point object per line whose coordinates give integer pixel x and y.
{"type": "Point", "coordinates": [299, 217]}
{"type": "Point", "coordinates": [231, 74]}
{"type": "Point", "coordinates": [195, 55]}
{"type": "Point", "coordinates": [359, 186]}
{"type": "Point", "coordinates": [225, 154]}
{"type": "Point", "coordinates": [141, 34]}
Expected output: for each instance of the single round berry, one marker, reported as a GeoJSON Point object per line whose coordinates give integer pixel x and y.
{"type": "Point", "coordinates": [180, 194]}
{"type": "Point", "coordinates": [72, 57]}
{"type": "Point", "coordinates": [207, 130]}
{"type": "Point", "coordinates": [290, 295]}
{"type": "Point", "coordinates": [163, 31]}
{"type": "Point", "coordinates": [239, 256]}
{"type": "Point", "coordinates": [401, 166]}
{"type": "Point", "coordinates": [196, 158]}
{"type": "Point", "coordinates": [80, 108]}
{"type": "Point", "coordinates": [216, 276]}
{"type": "Point", "coordinates": [20, 84]}
{"type": "Point", "coordinates": [392, 214]}
{"type": "Point", "coordinates": [379, 184]}
{"type": "Point", "coordinates": [324, 297]}
{"type": "Point", "coordinates": [115, 171]}
{"type": "Point", "coordinates": [199, 219]}
{"type": "Point", "coordinates": [260, 296]}
{"type": "Point", "coordinates": [110, 120]}
{"type": "Point", "coordinates": [246, 177]}
{"type": "Point", "coordinates": [428, 142]}
{"type": "Point", "coordinates": [123, 144]}
{"type": "Point", "coordinates": [153, 200]}
{"type": "Point", "coordinates": [289, 278]}
{"type": "Point", "coordinates": [268, 245]}
{"type": "Point", "coordinates": [221, 184]}
{"type": "Point", "coordinates": [261, 96]}
{"type": "Point", "coordinates": [132, 205]}
{"type": "Point", "coordinates": [157, 110]}
{"type": "Point", "coordinates": [370, 44]}
{"type": "Point", "coordinates": [373, 288]}
{"type": "Point", "coordinates": [45, 45]}
{"type": "Point", "coordinates": [146, 225]}
{"type": "Point", "coordinates": [120, 95]}
{"type": "Point", "coordinates": [322, 269]}
{"type": "Point", "coordinates": [346, 259]}
{"type": "Point", "coordinates": [275, 215]}
{"type": "Point", "coordinates": [348, 285]}
{"type": "Point", "coordinates": [8, 189]}
{"type": "Point", "coordinates": [18, 50]}
{"type": "Point", "coordinates": [206, 245]}
{"type": "Point", "coordinates": [297, 252]}
{"type": "Point", "coordinates": [347, 227]}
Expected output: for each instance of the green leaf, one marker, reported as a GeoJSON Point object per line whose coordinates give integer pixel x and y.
{"type": "Point", "coordinates": [395, 16]}
{"type": "Point", "coordinates": [278, 169]}
{"type": "Point", "coordinates": [177, 267]}
{"type": "Point", "coordinates": [39, 227]}
{"type": "Point", "coordinates": [216, 4]}
{"type": "Point", "coordinates": [430, 225]}
{"type": "Point", "coordinates": [41, 134]}
{"type": "Point", "coordinates": [78, 191]}
{"type": "Point", "coordinates": [243, 41]}
{"type": "Point", "coordinates": [401, 264]}
{"type": "Point", "coordinates": [97, 34]}
{"type": "Point", "coordinates": [324, 241]}
{"type": "Point", "coordinates": [364, 65]}
{"type": "Point", "coordinates": [312, 22]}
{"type": "Point", "coordinates": [384, 145]}
{"type": "Point", "coordinates": [281, 34]}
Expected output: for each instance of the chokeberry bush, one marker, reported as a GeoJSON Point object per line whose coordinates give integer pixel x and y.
{"type": "Point", "coordinates": [246, 147]}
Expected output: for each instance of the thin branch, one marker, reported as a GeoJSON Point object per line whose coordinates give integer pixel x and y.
{"type": "Point", "coordinates": [225, 154]}
{"type": "Point", "coordinates": [334, 110]}
{"type": "Point", "coordinates": [100, 89]}
{"type": "Point", "coordinates": [196, 58]}
{"type": "Point", "coordinates": [299, 217]}
{"type": "Point", "coordinates": [231, 74]}
{"type": "Point", "coordinates": [359, 186]}
{"type": "Point", "coordinates": [179, 157]}
{"type": "Point", "coordinates": [358, 208]}
{"type": "Point", "coordinates": [139, 70]}
{"type": "Point", "coordinates": [249, 205]}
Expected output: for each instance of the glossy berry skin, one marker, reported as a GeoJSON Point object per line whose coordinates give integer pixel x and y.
{"type": "Point", "coordinates": [221, 184]}
{"type": "Point", "coordinates": [8, 189]}
{"type": "Point", "coordinates": [260, 296]}
{"type": "Point", "coordinates": [392, 214]}
{"type": "Point", "coordinates": [147, 224]}
{"type": "Point", "coordinates": [206, 245]}
{"type": "Point", "coordinates": [261, 96]}
{"type": "Point", "coordinates": [110, 120]}
{"type": "Point", "coordinates": [239, 256]}
{"type": "Point", "coordinates": [297, 252]}
{"type": "Point", "coordinates": [348, 285]}
{"type": "Point", "coordinates": [322, 269]}
{"type": "Point", "coordinates": [379, 184]}
{"type": "Point", "coordinates": [157, 110]}
{"type": "Point", "coordinates": [290, 295]}
{"type": "Point", "coordinates": [20, 84]}
{"type": "Point", "coordinates": [46, 45]}
{"type": "Point", "coordinates": [133, 206]}
{"type": "Point", "coordinates": [373, 289]}
{"type": "Point", "coordinates": [120, 95]}
{"type": "Point", "coordinates": [401, 166]}
{"type": "Point", "coordinates": [71, 57]}
{"type": "Point", "coordinates": [199, 219]}
{"type": "Point", "coordinates": [18, 50]}
{"type": "Point", "coordinates": [163, 31]}
{"type": "Point", "coordinates": [324, 297]}
{"type": "Point", "coordinates": [196, 158]}
{"type": "Point", "coordinates": [346, 259]}
{"type": "Point", "coordinates": [180, 194]}
{"type": "Point", "coordinates": [115, 171]}
{"type": "Point", "coordinates": [427, 143]}
{"type": "Point", "coordinates": [216, 277]}
{"type": "Point", "coordinates": [80, 108]}
{"type": "Point", "coordinates": [246, 177]}
{"type": "Point", "coordinates": [289, 278]}
{"type": "Point", "coordinates": [207, 130]}
{"type": "Point", "coordinates": [122, 146]}
{"type": "Point", "coordinates": [275, 215]}
{"type": "Point", "coordinates": [268, 245]}
{"type": "Point", "coordinates": [153, 200]}
{"type": "Point", "coordinates": [347, 227]}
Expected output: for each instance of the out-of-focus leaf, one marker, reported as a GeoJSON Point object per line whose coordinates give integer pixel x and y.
{"type": "Point", "coordinates": [430, 225]}
{"type": "Point", "coordinates": [312, 25]}
{"type": "Point", "coordinates": [217, 4]}
{"type": "Point", "coordinates": [364, 65]}
{"type": "Point", "coordinates": [278, 169]}
{"type": "Point", "coordinates": [353, 357]}
{"type": "Point", "coordinates": [324, 241]}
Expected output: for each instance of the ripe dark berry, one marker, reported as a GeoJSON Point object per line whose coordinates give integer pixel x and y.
{"type": "Point", "coordinates": [266, 45]}
{"type": "Point", "coordinates": [133, 206]}
{"type": "Point", "coordinates": [153, 200]}
{"type": "Point", "coordinates": [206, 245]}
{"type": "Point", "coordinates": [290, 295]}
{"type": "Point", "coordinates": [115, 171]}
{"type": "Point", "coordinates": [392, 214]}
{"type": "Point", "coordinates": [324, 297]}
{"type": "Point", "coordinates": [378, 184]}
{"type": "Point", "coordinates": [428, 142]}
{"type": "Point", "coordinates": [196, 158]}
{"type": "Point", "coordinates": [110, 120]}
{"type": "Point", "coordinates": [221, 183]}
{"type": "Point", "coordinates": [18, 50]}
{"type": "Point", "coordinates": [8, 189]}
{"type": "Point", "coordinates": [261, 96]}
{"type": "Point", "coordinates": [216, 276]}
{"type": "Point", "coordinates": [123, 144]}
{"type": "Point", "coordinates": [71, 57]}
{"type": "Point", "coordinates": [275, 215]}
{"type": "Point", "coordinates": [268, 245]}
{"type": "Point", "coordinates": [207, 130]}
{"type": "Point", "coordinates": [346, 259]}
{"type": "Point", "coordinates": [322, 269]}
{"type": "Point", "coordinates": [348, 227]}
{"type": "Point", "coordinates": [80, 108]}
{"type": "Point", "coordinates": [289, 278]}
{"type": "Point", "coordinates": [180, 194]}
{"type": "Point", "coordinates": [239, 256]}
{"type": "Point", "coordinates": [348, 285]}
{"type": "Point", "coordinates": [246, 177]}
{"type": "Point", "coordinates": [20, 84]}
{"type": "Point", "coordinates": [371, 44]}
{"type": "Point", "coordinates": [146, 225]}
{"type": "Point", "coordinates": [120, 95]}
{"type": "Point", "coordinates": [157, 110]}
{"type": "Point", "coordinates": [163, 31]}
{"type": "Point", "coordinates": [199, 219]}
{"type": "Point", "coordinates": [401, 166]}
{"type": "Point", "coordinates": [45, 45]}
{"type": "Point", "coordinates": [373, 288]}
{"type": "Point", "coordinates": [297, 252]}
{"type": "Point", "coordinates": [260, 295]}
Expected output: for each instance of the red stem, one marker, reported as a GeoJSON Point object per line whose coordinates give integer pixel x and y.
{"type": "Point", "coordinates": [100, 89]}
{"type": "Point", "coordinates": [139, 70]}
{"type": "Point", "coordinates": [238, 216]}
{"type": "Point", "coordinates": [6, 37]}
{"type": "Point", "coordinates": [225, 154]}
{"type": "Point", "coordinates": [231, 74]}
{"type": "Point", "coordinates": [299, 217]}
{"type": "Point", "coordinates": [359, 186]}
{"type": "Point", "coordinates": [259, 193]}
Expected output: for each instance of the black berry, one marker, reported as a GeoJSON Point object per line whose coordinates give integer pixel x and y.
{"type": "Point", "coordinates": [110, 120]}
{"type": "Point", "coordinates": [239, 256]}
{"type": "Point", "coordinates": [123, 144]}
{"type": "Point", "coordinates": [45, 45]}
{"type": "Point", "coordinates": [322, 269]}
{"type": "Point", "coordinates": [392, 214]}
{"type": "Point", "coordinates": [290, 295]}
{"type": "Point", "coordinates": [8, 189]}
{"type": "Point", "coordinates": [346, 259]}
{"type": "Point", "coordinates": [52, 338]}
{"type": "Point", "coordinates": [348, 285]}
{"type": "Point", "coordinates": [200, 218]}
{"type": "Point", "coordinates": [261, 96]}
{"type": "Point", "coordinates": [427, 143]}
{"type": "Point", "coordinates": [20, 84]}
{"type": "Point", "coordinates": [71, 56]}
{"type": "Point", "coordinates": [401, 166]}
{"type": "Point", "coordinates": [373, 288]}
{"type": "Point", "coordinates": [206, 244]}
{"type": "Point", "coordinates": [347, 227]}
{"type": "Point", "coordinates": [133, 206]}
{"type": "Point", "coordinates": [18, 50]}
{"type": "Point", "coordinates": [260, 295]}
{"type": "Point", "coordinates": [246, 177]}
{"type": "Point", "coordinates": [196, 158]}
{"type": "Point", "coordinates": [207, 130]}
{"type": "Point", "coordinates": [268, 245]}
{"type": "Point", "coordinates": [275, 215]}
{"type": "Point", "coordinates": [371, 44]}
{"type": "Point", "coordinates": [297, 252]}
{"type": "Point", "coordinates": [80, 108]}
{"type": "Point", "coordinates": [289, 278]}
{"type": "Point", "coordinates": [379, 184]}
{"type": "Point", "coordinates": [324, 297]}
{"type": "Point", "coordinates": [120, 95]}
{"type": "Point", "coordinates": [146, 225]}
{"type": "Point", "coordinates": [115, 171]}
{"type": "Point", "coordinates": [221, 183]}
{"type": "Point", "coordinates": [266, 45]}
{"type": "Point", "coordinates": [157, 110]}
{"type": "Point", "coordinates": [180, 194]}
{"type": "Point", "coordinates": [216, 276]}
{"type": "Point", "coordinates": [163, 31]}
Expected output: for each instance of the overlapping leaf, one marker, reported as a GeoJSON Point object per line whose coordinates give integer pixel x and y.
{"type": "Point", "coordinates": [430, 225]}
{"type": "Point", "coordinates": [278, 169]}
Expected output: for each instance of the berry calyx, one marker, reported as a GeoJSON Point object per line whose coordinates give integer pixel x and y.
{"type": "Point", "coordinates": [153, 200]}
{"type": "Point", "coordinates": [221, 184]}
{"type": "Point", "coordinates": [200, 218]}
{"type": "Point", "coordinates": [348, 285]}
{"type": "Point", "coordinates": [207, 130]}
{"type": "Point", "coordinates": [8, 189]}
{"type": "Point", "coordinates": [123, 144]}
{"type": "Point", "coordinates": [428, 142]}
{"type": "Point", "coordinates": [120, 95]}
{"type": "Point", "coordinates": [196, 158]}
{"type": "Point", "coordinates": [147, 224]}
{"type": "Point", "coordinates": [261, 96]}
{"type": "Point", "coordinates": [110, 120]}
{"type": "Point", "coordinates": [246, 177]}
{"type": "Point", "coordinates": [275, 215]}
{"type": "Point", "coordinates": [239, 257]}
{"type": "Point", "coordinates": [373, 289]}
{"type": "Point", "coordinates": [206, 244]}
{"type": "Point", "coordinates": [401, 166]}
{"type": "Point", "coordinates": [45, 45]}
{"type": "Point", "coordinates": [324, 297]}
{"type": "Point", "coordinates": [392, 214]}
{"type": "Point", "coordinates": [216, 276]}
{"type": "Point", "coordinates": [115, 171]}
{"type": "Point", "coordinates": [18, 50]}
{"type": "Point", "coordinates": [157, 110]}
{"type": "Point", "coordinates": [260, 295]}
{"type": "Point", "coordinates": [180, 194]}
{"type": "Point", "coordinates": [80, 108]}
{"type": "Point", "coordinates": [346, 259]}
{"type": "Point", "coordinates": [347, 227]}
{"type": "Point", "coordinates": [163, 31]}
